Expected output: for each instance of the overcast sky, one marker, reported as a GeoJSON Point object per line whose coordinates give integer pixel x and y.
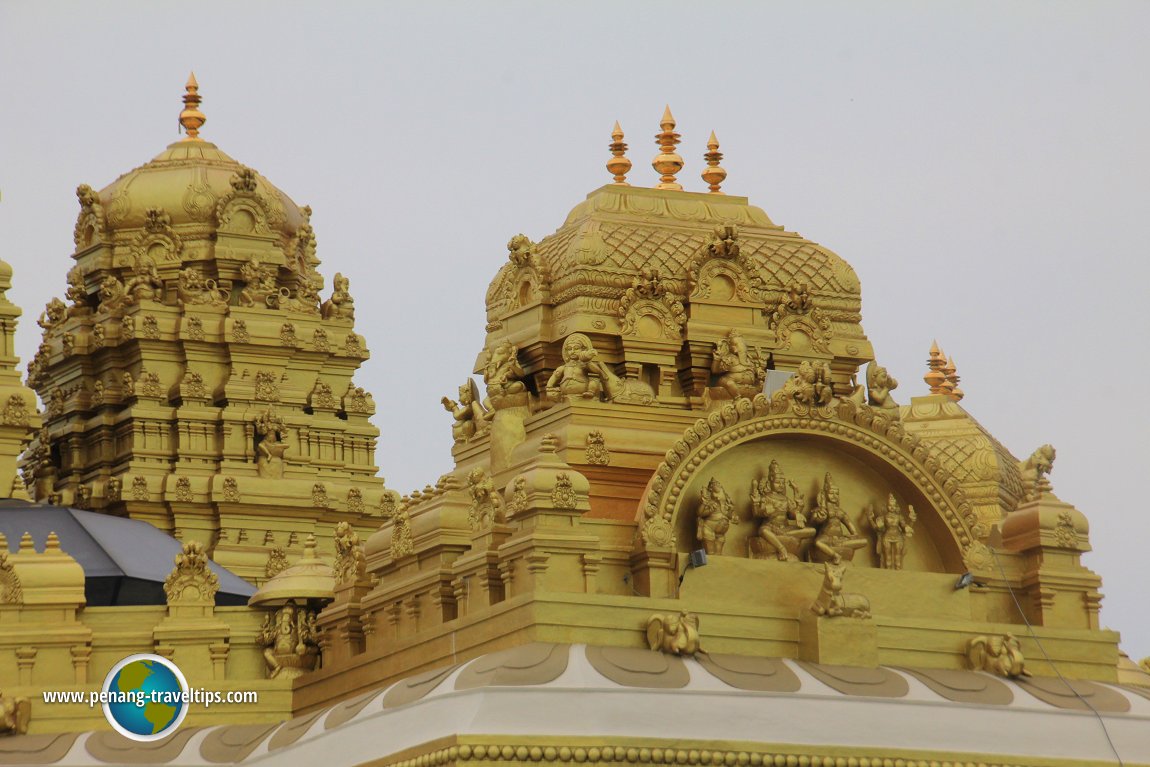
{"type": "Point", "coordinates": [983, 166]}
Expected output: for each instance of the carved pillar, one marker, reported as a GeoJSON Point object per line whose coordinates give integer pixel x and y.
{"type": "Point", "coordinates": [25, 663]}
{"type": "Point", "coordinates": [81, 654]}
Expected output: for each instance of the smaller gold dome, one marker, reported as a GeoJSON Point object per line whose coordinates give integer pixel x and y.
{"type": "Point", "coordinates": [308, 579]}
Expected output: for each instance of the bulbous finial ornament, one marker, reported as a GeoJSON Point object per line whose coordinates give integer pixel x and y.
{"type": "Point", "coordinates": [935, 377]}
{"type": "Point", "coordinates": [667, 163]}
{"type": "Point", "coordinates": [618, 165]}
{"type": "Point", "coordinates": [713, 174]}
{"type": "Point", "coordinates": [192, 119]}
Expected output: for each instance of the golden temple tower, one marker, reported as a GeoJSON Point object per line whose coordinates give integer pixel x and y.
{"type": "Point", "coordinates": [193, 376]}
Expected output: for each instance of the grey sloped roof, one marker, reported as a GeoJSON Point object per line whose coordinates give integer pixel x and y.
{"type": "Point", "coordinates": [125, 561]}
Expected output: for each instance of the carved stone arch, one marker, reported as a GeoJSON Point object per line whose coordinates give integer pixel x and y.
{"type": "Point", "coordinates": [162, 246]}
{"type": "Point", "coordinates": [89, 230]}
{"type": "Point", "coordinates": [722, 280]}
{"type": "Point", "coordinates": [653, 318]}
{"type": "Point", "coordinates": [814, 326]}
{"type": "Point", "coordinates": [858, 431]}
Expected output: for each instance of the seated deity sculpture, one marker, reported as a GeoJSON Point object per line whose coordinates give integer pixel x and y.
{"type": "Point", "coordinates": [738, 368]}
{"type": "Point", "coordinates": [502, 374]}
{"type": "Point", "coordinates": [581, 374]}
{"type": "Point", "coordinates": [777, 506]}
{"type": "Point", "coordinates": [714, 517]}
{"type": "Point", "coordinates": [271, 448]}
{"type": "Point", "coordinates": [893, 528]}
{"type": "Point", "coordinates": [145, 283]}
{"type": "Point", "coordinates": [470, 417]}
{"type": "Point", "coordinates": [341, 305]}
{"type": "Point", "coordinates": [290, 641]}
{"type": "Point", "coordinates": [837, 538]}
{"type": "Point", "coordinates": [879, 384]}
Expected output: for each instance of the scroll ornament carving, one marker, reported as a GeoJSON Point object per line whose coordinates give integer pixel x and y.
{"type": "Point", "coordinates": [349, 559]}
{"type": "Point", "coordinates": [893, 528]}
{"type": "Point", "coordinates": [674, 634]}
{"type": "Point", "coordinates": [287, 335]}
{"type": "Point", "coordinates": [563, 494]}
{"type": "Point", "coordinates": [150, 385]}
{"type": "Point", "coordinates": [847, 421]}
{"type": "Point", "coordinates": [184, 489]}
{"type": "Point", "coordinates": [290, 641]}
{"type": "Point", "coordinates": [713, 519]}
{"type": "Point", "coordinates": [113, 490]}
{"type": "Point", "coordinates": [341, 306]}
{"type": "Point", "coordinates": [319, 497]}
{"type": "Point", "coordinates": [486, 505]}
{"type": "Point", "coordinates": [99, 337]}
{"type": "Point", "coordinates": [195, 329]}
{"type": "Point", "coordinates": [140, 489]}
{"type": "Point", "coordinates": [193, 387]}
{"type": "Point", "coordinates": [1034, 470]}
{"type": "Point", "coordinates": [191, 580]}
{"type": "Point", "coordinates": [321, 397]}
{"type": "Point", "coordinates": [797, 312]}
{"type": "Point", "coordinates": [471, 419]}
{"type": "Point", "coordinates": [355, 500]}
{"type": "Point", "coordinates": [358, 400]}
{"type": "Point", "coordinates": [740, 369]}
{"type": "Point", "coordinates": [276, 564]}
{"type": "Point", "coordinates": [597, 452]}
{"type": "Point", "coordinates": [517, 497]}
{"type": "Point", "coordinates": [267, 387]}
{"type": "Point", "coordinates": [1001, 655]}
{"type": "Point", "coordinates": [231, 490]}
{"type": "Point", "coordinates": [15, 411]}
{"type": "Point", "coordinates": [319, 340]}
{"type": "Point", "coordinates": [352, 346]}
{"type": "Point", "coordinates": [151, 327]}
{"type": "Point", "coordinates": [1065, 535]}
{"type": "Point", "coordinates": [832, 602]}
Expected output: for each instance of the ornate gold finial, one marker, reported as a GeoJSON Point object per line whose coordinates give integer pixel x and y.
{"type": "Point", "coordinates": [947, 385]}
{"type": "Point", "coordinates": [192, 119]}
{"type": "Point", "coordinates": [935, 378]}
{"type": "Point", "coordinates": [952, 379]}
{"type": "Point", "coordinates": [667, 163]}
{"type": "Point", "coordinates": [618, 165]}
{"type": "Point", "coordinates": [713, 174]}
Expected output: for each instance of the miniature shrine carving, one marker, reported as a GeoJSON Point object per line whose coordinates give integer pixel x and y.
{"type": "Point", "coordinates": [832, 602]}
{"type": "Point", "coordinates": [1001, 655]}
{"type": "Point", "coordinates": [893, 528]}
{"type": "Point", "coordinates": [778, 506]}
{"type": "Point", "coordinates": [191, 580]}
{"type": "Point", "coordinates": [290, 640]}
{"type": "Point", "coordinates": [837, 538]}
{"type": "Point", "coordinates": [713, 519]}
{"type": "Point", "coordinates": [674, 634]}
{"type": "Point", "coordinates": [470, 417]}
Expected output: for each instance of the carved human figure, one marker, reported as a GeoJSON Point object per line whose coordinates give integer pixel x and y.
{"type": "Point", "coordinates": [1000, 655]}
{"type": "Point", "coordinates": [290, 641]}
{"type": "Point", "coordinates": [487, 506]}
{"type": "Point", "coordinates": [581, 374]}
{"type": "Point", "coordinates": [145, 283]}
{"type": "Point", "coordinates": [271, 448]}
{"type": "Point", "coordinates": [777, 505]}
{"type": "Point", "coordinates": [502, 373]}
{"type": "Point", "coordinates": [837, 536]}
{"type": "Point", "coordinates": [713, 519]}
{"type": "Point", "coordinates": [832, 602]}
{"type": "Point", "coordinates": [470, 417]}
{"type": "Point", "coordinates": [879, 384]}
{"type": "Point", "coordinates": [893, 529]}
{"type": "Point", "coordinates": [341, 306]}
{"type": "Point", "coordinates": [738, 368]}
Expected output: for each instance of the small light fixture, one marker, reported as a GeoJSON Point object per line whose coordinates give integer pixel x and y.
{"type": "Point", "coordinates": [697, 558]}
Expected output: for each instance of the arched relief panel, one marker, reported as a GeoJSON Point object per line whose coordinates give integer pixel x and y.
{"type": "Point", "coordinates": [861, 476]}
{"type": "Point", "coordinates": [862, 434]}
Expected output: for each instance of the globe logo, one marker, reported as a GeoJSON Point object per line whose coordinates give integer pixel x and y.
{"type": "Point", "coordinates": [145, 697]}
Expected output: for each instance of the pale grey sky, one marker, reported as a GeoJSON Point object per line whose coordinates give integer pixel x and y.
{"type": "Point", "coordinates": [983, 166]}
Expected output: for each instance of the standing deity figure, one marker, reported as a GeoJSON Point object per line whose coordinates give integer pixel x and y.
{"type": "Point", "coordinates": [777, 505]}
{"type": "Point", "coordinates": [893, 528]}
{"type": "Point", "coordinates": [271, 448]}
{"type": "Point", "coordinates": [879, 384]}
{"type": "Point", "coordinates": [739, 369]}
{"type": "Point", "coordinates": [837, 536]}
{"type": "Point", "coordinates": [487, 507]}
{"type": "Point", "coordinates": [341, 306]}
{"type": "Point", "coordinates": [470, 417]}
{"type": "Point", "coordinates": [502, 374]}
{"type": "Point", "coordinates": [714, 517]}
{"type": "Point", "coordinates": [582, 374]}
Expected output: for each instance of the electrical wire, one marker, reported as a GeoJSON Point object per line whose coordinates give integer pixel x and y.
{"type": "Point", "coordinates": [1037, 641]}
